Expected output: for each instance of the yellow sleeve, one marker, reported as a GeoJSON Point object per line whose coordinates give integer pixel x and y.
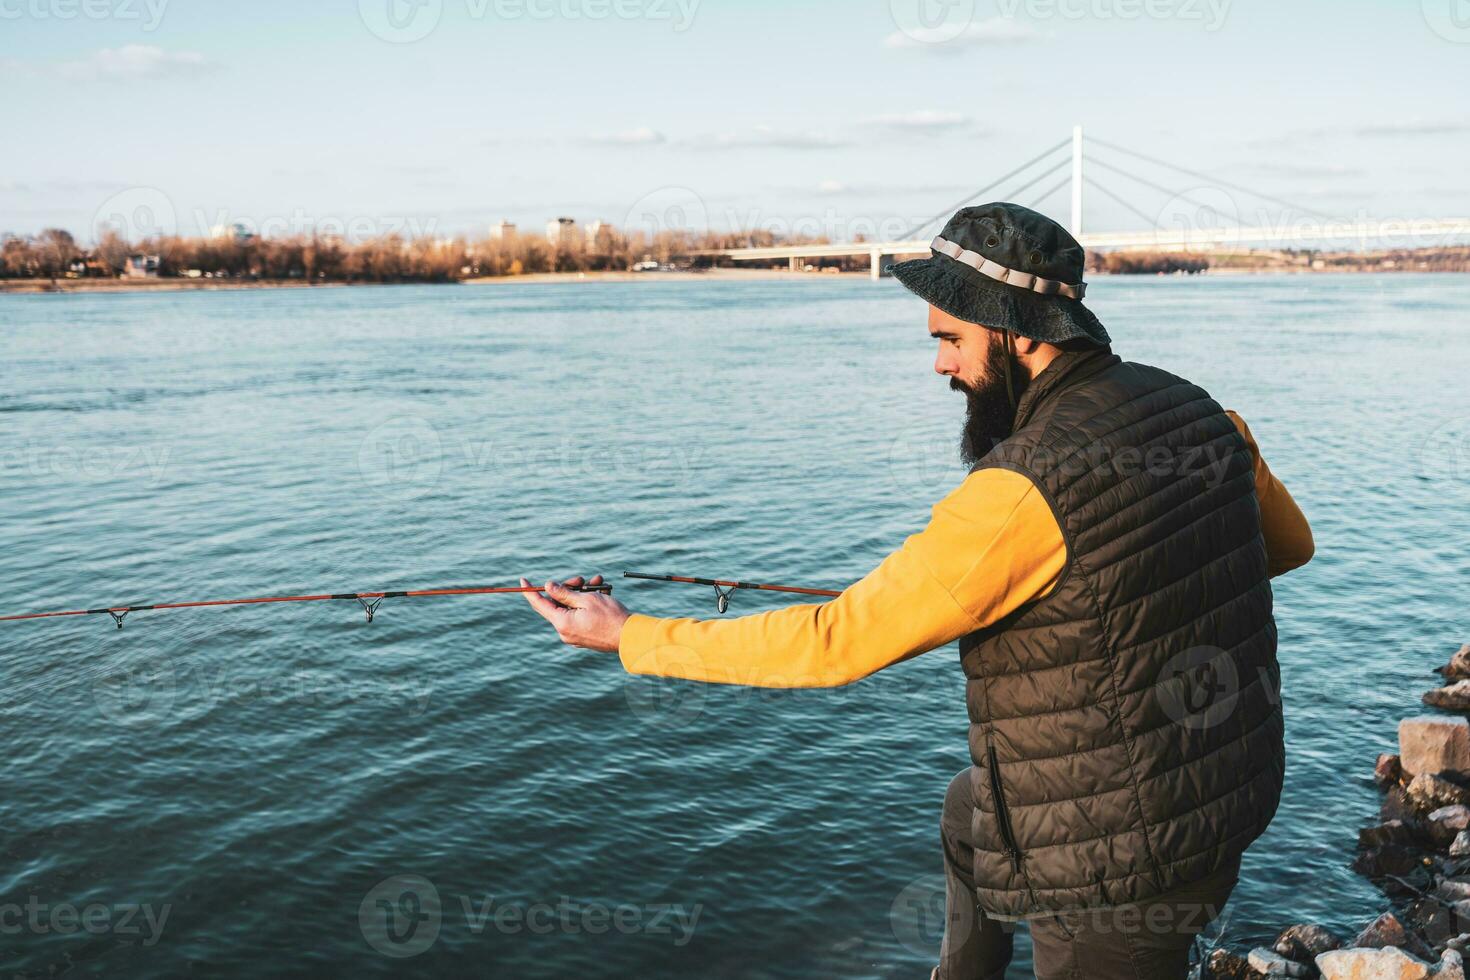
{"type": "Point", "coordinates": [991, 546]}
{"type": "Point", "coordinates": [1288, 536]}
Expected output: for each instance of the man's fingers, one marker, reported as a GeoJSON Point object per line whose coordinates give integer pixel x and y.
{"type": "Point", "coordinates": [596, 580]}
{"type": "Point", "coordinates": [548, 609]}
{"type": "Point", "coordinates": [565, 596]}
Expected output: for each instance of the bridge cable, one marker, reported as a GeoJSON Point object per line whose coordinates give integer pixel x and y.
{"type": "Point", "coordinates": [1056, 187]}
{"type": "Point", "coordinates": [1152, 222]}
{"type": "Point", "coordinates": [984, 190]}
{"type": "Point", "coordinates": [1212, 179]}
{"type": "Point", "coordinates": [1065, 164]}
{"type": "Point", "coordinates": [1150, 184]}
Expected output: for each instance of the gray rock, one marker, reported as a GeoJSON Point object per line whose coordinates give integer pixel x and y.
{"type": "Point", "coordinates": [1459, 665]}
{"type": "Point", "coordinates": [1460, 846]}
{"type": "Point", "coordinates": [1396, 860]}
{"type": "Point", "coordinates": [1451, 697]}
{"type": "Point", "coordinates": [1225, 965]}
{"type": "Point", "coordinates": [1304, 943]}
{"type": "Point", "coordinates": [1387, 930]}
{"type": "Point", "coordinates": [1390, 963]}
{"type": "Point", "coordinates": [1456, 818]}
{"type": "Point", "coordinates": [1389, 832]}
{"type": "Point", "coordinates": [1430, 791]}
{"type": "Point", "coordinates": [1273, 964]}
{"type": "Point", "coordinates": [1460, 911]}
{"type": "Point", "coordinates": [1388, 770]}
{"type": "Point", "coordinates": [1431, 920]}
{"type": "Point", "coordinates": [1433, 744]}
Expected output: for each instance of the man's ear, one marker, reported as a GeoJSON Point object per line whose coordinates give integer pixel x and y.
{"type": "Point", "coordinates": [1025, 345]}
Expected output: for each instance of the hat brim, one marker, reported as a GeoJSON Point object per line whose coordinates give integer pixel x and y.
{"type": "Point", "coordinates": [975, 298]}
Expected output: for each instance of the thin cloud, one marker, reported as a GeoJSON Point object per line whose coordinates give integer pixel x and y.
{"type": "Point", "coordinates": [642, 136]}
{"type": "Point", "coordinates": [135, 61]}
{"type": "Point", "coordinates": [764, 137]}
{"type": "Point", "coordinates": [1315, 135]}
{"type": "Point", "coordinates": [1414, 129]}
{"type": "Point", "coordinates": [942, 40]}
{"type": "Point", "coordinates": [1318, 170]}
{"type": "Point", "coordinates": [926, 121]}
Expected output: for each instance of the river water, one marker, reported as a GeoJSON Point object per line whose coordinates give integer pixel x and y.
{"type": "Point", "coordinates": [287, 790]}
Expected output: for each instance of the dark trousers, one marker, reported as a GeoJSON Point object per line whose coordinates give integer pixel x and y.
{"type": "Point", "coordinates": [1147, 941]}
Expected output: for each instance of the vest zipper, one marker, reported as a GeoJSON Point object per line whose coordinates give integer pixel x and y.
{"type": "Point", "coordinates": [1003, 813]}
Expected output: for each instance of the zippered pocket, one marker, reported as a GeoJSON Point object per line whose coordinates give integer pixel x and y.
{"type": "Point", "coordinates": [1002, 812]}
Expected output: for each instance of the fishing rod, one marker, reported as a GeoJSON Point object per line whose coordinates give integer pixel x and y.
{"type": "Point", "coordinates": [370, 601]}
{"type": "Point", "coordinates": [724, 590]}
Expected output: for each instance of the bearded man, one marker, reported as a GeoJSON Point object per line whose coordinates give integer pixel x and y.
{"type": "Point", "coordinates": [1106, 568]}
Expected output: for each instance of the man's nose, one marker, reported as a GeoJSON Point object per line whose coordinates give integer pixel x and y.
{"type": "Point", "coordinates": [944, 365]}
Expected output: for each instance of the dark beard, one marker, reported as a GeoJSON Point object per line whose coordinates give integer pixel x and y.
{"type": "Point", "coordinates": [989, 416]}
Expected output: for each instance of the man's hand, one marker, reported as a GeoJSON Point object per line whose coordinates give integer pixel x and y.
{"type": "Point", "coordinates": [582, 619]}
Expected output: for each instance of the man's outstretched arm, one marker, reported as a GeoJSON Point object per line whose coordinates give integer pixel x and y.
{"type": "Point", "coordinates": [1288, 536]}
{"type": "Point", "coordinates": [991, 546]}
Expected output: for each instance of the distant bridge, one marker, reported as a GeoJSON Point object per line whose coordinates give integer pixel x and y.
{"type": "Point", "coordinates": [1196, 220]}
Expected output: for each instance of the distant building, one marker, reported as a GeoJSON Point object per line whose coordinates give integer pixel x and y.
{"type": "Point", "coordinates": [599, 237]}
{"type": "Point", "coordinates": [239, 232]}
{"type": "Point", "coordinates": [141, 267]}
{"type": "Point", "coordinates": [503, 232]}
{"type": "Point", "coordinates": [563, 233]}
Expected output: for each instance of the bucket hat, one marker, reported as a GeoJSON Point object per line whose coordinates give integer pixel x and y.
{"type": "Point", "coordinates": [1009, 268]}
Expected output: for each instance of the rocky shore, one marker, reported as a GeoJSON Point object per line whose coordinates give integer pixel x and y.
{"type": "Point", "coordinates": [1418, 854]}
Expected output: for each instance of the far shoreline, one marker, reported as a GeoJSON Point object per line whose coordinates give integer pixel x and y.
{"type": "Point", "coordinates": [175, 285]}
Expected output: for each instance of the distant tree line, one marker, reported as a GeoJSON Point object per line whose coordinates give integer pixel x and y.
{"type": "Point", "coordinates": [1146, 263]}
{"type": "Point", "coordinates": [55, 254]}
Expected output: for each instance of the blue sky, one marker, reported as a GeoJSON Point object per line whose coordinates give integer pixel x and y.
{"type": "Point", "coordinates": [828, 115]}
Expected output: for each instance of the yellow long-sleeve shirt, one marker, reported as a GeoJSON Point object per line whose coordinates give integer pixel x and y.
{"type": "Point", "coordinates": [991, 546]}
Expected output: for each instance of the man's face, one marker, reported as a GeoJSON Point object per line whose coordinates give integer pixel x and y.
{"type": "Point", "coordinates": [964, 349]}
{"type": "Point", "coordinates": [974, 359]}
